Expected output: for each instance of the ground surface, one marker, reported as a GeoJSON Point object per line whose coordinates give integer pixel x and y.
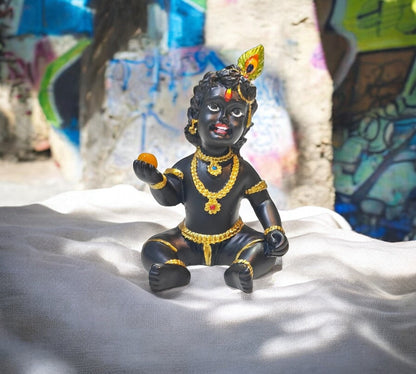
{"type": "Point", "coordinates": [23, 183]}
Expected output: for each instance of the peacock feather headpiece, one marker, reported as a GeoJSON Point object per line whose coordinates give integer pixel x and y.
{"type": "Point", "coordinates": [251, 65]}
{"type": "Point", "coordinates": [251, 62]}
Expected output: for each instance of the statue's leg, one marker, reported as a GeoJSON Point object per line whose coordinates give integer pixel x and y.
{"type": "Point", "coordinates": [160, 255]}
{"type": "Point", "coordinates": [248, 261]}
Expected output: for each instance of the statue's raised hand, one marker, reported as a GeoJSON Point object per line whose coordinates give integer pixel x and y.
{"type": "Point", "coordinates": [276, 244]}
{"type": "Point", "coordinates": [145, 169]}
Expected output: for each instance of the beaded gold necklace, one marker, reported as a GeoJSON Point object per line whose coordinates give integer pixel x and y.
{"type": "Point", "coordinates": [213, 206]}
{"type": "Point", "coordinates": [214, 167]}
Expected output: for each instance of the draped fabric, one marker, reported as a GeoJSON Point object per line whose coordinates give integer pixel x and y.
{"type": "Point", "coordinates": [74, 297]}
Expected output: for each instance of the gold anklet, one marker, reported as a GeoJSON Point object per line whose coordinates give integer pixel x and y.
{"type": "Point", "coordinates": [272, 228]}
{"type": "Point", "coordinates": [245, 262]}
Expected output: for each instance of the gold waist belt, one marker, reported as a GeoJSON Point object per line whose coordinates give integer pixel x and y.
{"type": "Point", "coordinates": [207, 240]}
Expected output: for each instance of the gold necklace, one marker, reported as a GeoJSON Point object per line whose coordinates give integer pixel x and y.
{"type": "Point", "coordinates": [213, 206]}
{"type": "Point", "coordinates": [214, 167]}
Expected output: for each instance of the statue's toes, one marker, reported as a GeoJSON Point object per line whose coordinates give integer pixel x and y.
{"type": "Point", "coordinates": [246, 282]}
{"type": "Point", "coordinates": [166, 276]}
{"type": "Point", "coordinates": [239, 276]}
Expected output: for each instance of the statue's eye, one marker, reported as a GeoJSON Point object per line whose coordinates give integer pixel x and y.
{"type": "Point", "coordinates": [237, 113]}
{"type": "Point", "coordinates": [213, 107]}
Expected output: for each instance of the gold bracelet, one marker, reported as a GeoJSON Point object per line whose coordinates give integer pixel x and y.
{"type": "Point", "coordinates": [175, 261]}
{"type": "Point", "coordinates": [272, 228]}
{"type": "Point", "coordinates": [160, 185]}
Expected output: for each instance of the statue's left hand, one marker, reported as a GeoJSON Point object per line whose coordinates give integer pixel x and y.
{"type": "Point", "coordinates": [276, 244]}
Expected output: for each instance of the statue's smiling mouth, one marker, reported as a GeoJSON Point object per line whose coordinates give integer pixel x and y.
{"type": "Point", "coordinates": [221, 129]}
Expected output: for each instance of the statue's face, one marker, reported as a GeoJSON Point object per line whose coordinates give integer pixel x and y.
{"type": "Point", "coordinates": [222, 119]}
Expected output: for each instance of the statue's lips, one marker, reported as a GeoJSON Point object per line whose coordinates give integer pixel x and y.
{"type": "Point", "coordinates": [221, 129]}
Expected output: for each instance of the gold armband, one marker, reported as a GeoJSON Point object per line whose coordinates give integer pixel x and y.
{"type": "Point", "coordinates": [272, 228]}
{"type": "Point", "coordinates": [160, 185]}
{"type": "Point", "coordinates": [175, 172]}
{"type": "Point", "coordinates": [262, 185]}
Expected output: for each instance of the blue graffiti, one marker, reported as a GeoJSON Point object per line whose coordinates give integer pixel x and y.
{"type": "Point", "coordinates": [192, 63]}
{"type": "Point", "coordinates": [56, 17]}
{"type": "Point", "coordinates": [174, 68]}
{"type": "Point", "coordinates": [186, 24]}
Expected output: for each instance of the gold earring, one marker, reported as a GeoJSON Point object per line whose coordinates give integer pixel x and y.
{"type": "Point", "coordinates": [193, 129]}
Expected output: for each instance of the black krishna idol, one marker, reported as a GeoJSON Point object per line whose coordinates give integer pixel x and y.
{"type": "Point", "coordinates": [211, 184]}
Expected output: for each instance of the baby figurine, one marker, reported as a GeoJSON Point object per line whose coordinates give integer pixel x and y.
{"type": "Point", "coordinates": [211, 184]}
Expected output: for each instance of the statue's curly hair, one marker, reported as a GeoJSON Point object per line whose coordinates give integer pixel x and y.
{"type": "Point", "coordinates": [229, 77]}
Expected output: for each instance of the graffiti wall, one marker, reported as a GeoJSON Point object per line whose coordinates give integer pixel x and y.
{"type": "Point", "coordinates": [148, 90]}
{"type": "Point", "coordinates": [59, 92]}
{"type": "Point", "coordinates": [42, 42]}
{"type": "Point", "coordinates": [375, 117]}
{"type": "Point", "coordinates": [150, 69]}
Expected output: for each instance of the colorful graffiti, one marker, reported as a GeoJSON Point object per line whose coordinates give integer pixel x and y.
{"type": "Point", "coordinates": [372, 25]}
{"type": "Point", "coordinates": [59, 92]}
{"type": "Point", "coordinates": [58, 17]}
{"type": "Point", "coordinates": [176, 23]}
{"type": "Point", "coordinates": [186, 23]}
{"type": "Point", "coordinates": [31, 61]}
{"type": "Point", "coordinates": [23, 62]}
{"type": "Point", "coordinates": [24, 74]}
{"type": "Point", "coordinates": [148, 94]}
{"type": "Point", "coordinates": [375, 119]}
{"type": "Point", "coordinates": [6, 14]}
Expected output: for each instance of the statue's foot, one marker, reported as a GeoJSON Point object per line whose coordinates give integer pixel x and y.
{"type": "Point", "coordinates": [239, 276]}
{"type": "Point", "coordinates": [165, 276]}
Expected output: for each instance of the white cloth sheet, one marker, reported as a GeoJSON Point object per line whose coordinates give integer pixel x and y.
{"type": "Point", "coordinates": [74, 297]}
